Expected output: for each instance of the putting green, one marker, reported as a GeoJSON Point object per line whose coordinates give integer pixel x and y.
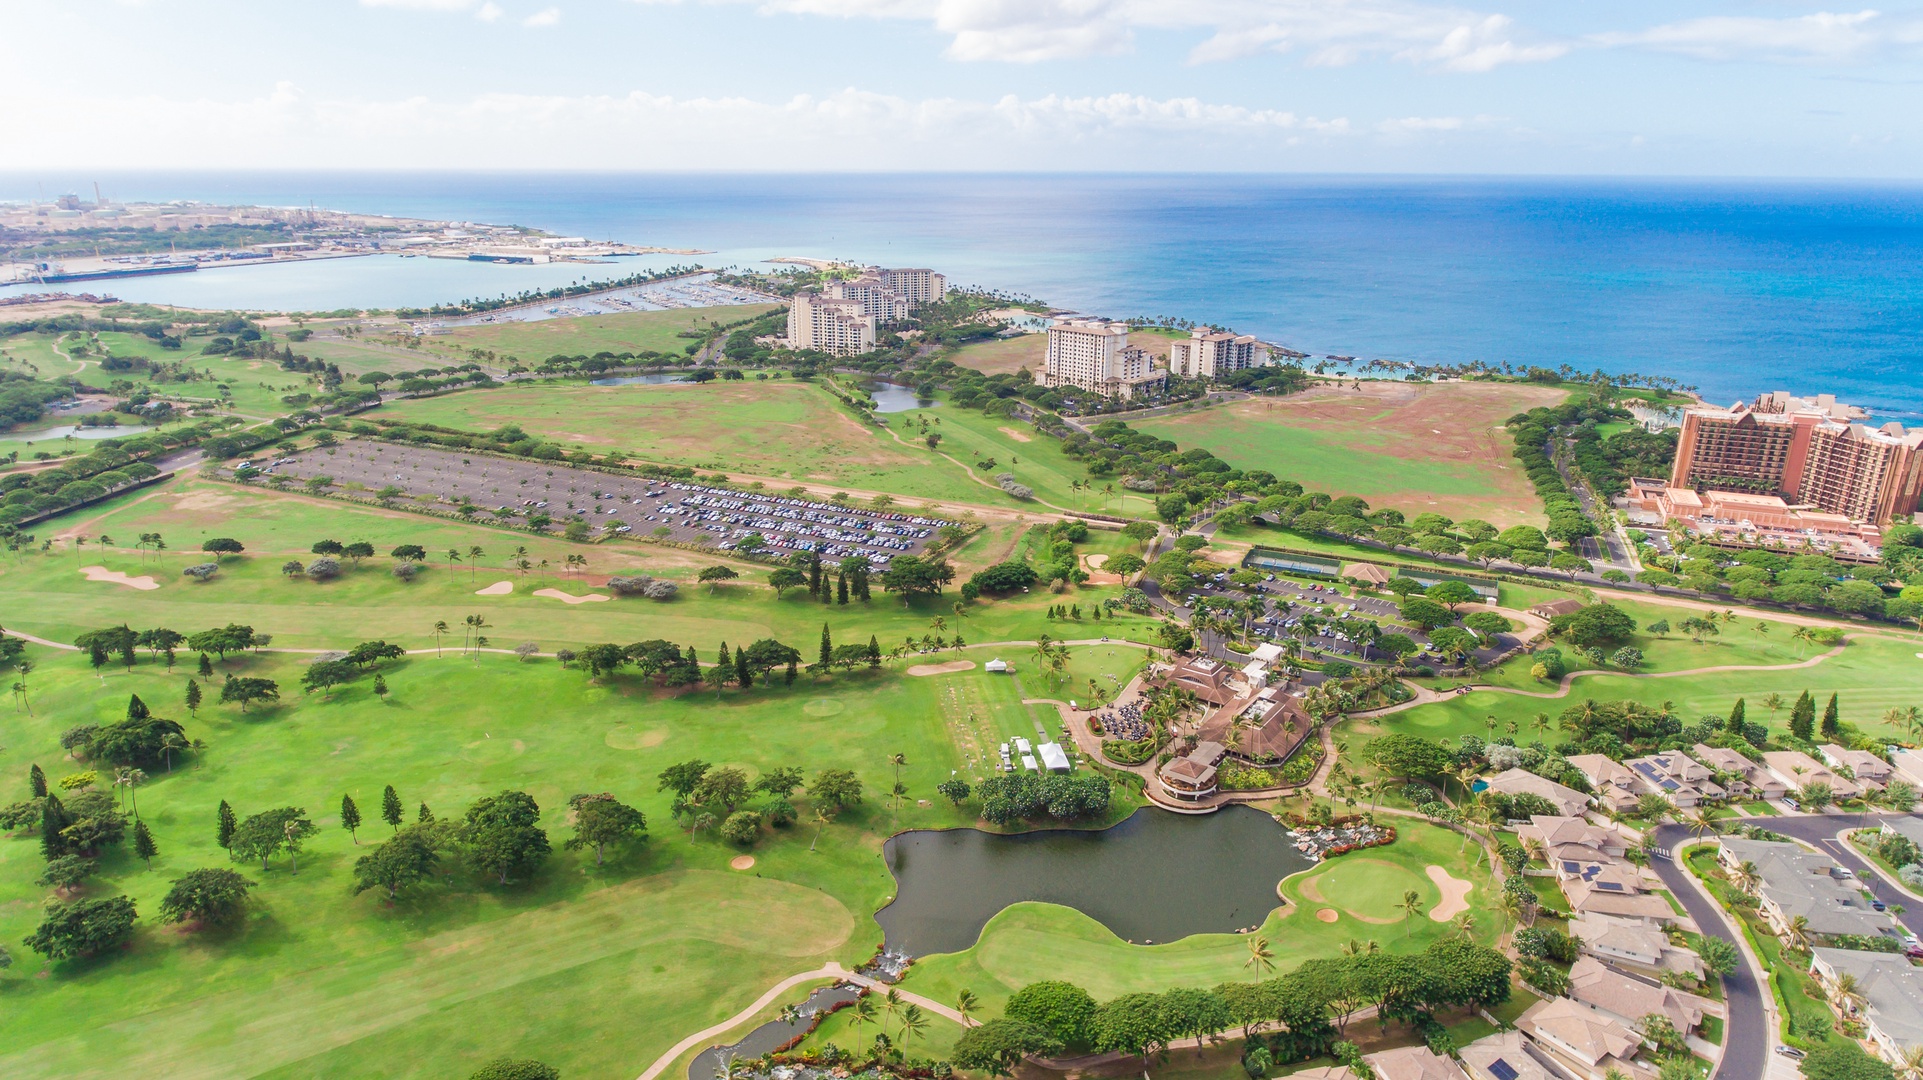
{"type": "Point", "coordinates": [1371, 888]}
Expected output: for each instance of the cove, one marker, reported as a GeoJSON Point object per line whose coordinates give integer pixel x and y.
{"type": "Point", "coordinates": [1155, 876]}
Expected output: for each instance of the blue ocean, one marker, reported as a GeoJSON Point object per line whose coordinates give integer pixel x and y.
{"type": "Point", "coordinates": [1731, 287]}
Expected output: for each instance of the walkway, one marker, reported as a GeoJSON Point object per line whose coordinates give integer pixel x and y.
{"type": "Point", "coordinates": [827, 971]}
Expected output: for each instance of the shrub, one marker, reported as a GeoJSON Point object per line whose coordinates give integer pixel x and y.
{"type": "Point", "coordinates": [324, 569]}
{"type": "Point", "coordinates": [201, 571]}
{"type": "Point", "coordinates": [742, 827]}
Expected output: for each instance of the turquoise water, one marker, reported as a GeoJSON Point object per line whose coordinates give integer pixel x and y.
{"type": "Point", "coordinates": [1736, 288]}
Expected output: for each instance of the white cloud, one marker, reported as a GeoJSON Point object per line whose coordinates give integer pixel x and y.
{"type": "Point", "coordinates": [489, 12]}
{"type": "Point", "coordinates": [543, 17]}
{"type": "Point", "coordinates": [853, 129]}
{"type": "Point", "coordinates": [1821, 37]}
{"type": "Point", "coordinates": [1334, 33]}
{"type": "Point", "coordinates": [421, 5]}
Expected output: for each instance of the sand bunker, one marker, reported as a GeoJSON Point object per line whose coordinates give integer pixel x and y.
{"type": "Point", "coordinates": [114, 577]}
{"type": "Point", "coordinates": [1015, 435]}
{"type": "Point", "coordinates": [499, 588]}
{"type": "Point", "coordinates": [742, 862]}
{"type": "Point", "coordinates": [1455, 894]}
{"type": "Point", "coordinates": [565, 598]}
{"type": "Point", "coordinates": [1095, 562]}
{"type": "Point", "coordinates": [941, 669]}
{"type": "Point", "coordinates": [1327, 914]}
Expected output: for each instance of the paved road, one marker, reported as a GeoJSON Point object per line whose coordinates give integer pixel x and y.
{"type": "Point", "coordinates": [1746, 1037]}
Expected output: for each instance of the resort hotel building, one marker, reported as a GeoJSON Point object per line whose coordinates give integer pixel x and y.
{"type": "Point", "coordinates": [1094, 355]}
{"type": "Point", "coordinates": [1211, 354]}
{"type": "Point", "coordinates": [1787, 471]}
{"type": "Point", "coordinates": [840, 318]}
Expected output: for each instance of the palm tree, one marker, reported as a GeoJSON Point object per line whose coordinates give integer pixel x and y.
{"type": "Point", "coordinates": [1911, 1065]}
{"type": "Point", "coordinates": [863, 1010]}
{"type": "Point", "coordinates": [1261, 957]}
{"type": "Point", "coordinates": [1700, 823]}
{"type": "Point", "coordinates": [452, 558]}
{"type": "Point", "coordinates": [1773, 702]}
{"type": "Point", "coordinates": [898, 760]}
{"type": "Point", "coordinates": [1748, 876]}
{"type": "Point", "coordinates": [1796, 933]}
{"type": "Point", "coordinates": [473, 562]}
{"type": "Point", "coordinates": [965, 1004]}
{"type": "Point", "coordinates": [912, 1022]}
{"type": "Point", "coordinates": [1411, 904]}
{"type": "Point", "coordinates": [891, 1004]}
{"type": "Point", "coordinates": [1846, 994]}
{"type": "Point", "coordinates": [440, 631]}
{"type": "Point", "coordinates": [1511, 906]}
{"type": "Point", "coordinates": [1464, 924]}
{"type": "Point", "coordinates": [1803, 636]}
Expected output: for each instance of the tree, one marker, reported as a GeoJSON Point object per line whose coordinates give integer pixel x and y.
{"type": "Point", "coordinates": [404, 859]}
{"type": "Point", "coordinates": [225, 824]}
{"type": "Point", "coordinates": [209, 896]}
{"type": "Point", "coordinates": [324, 675]}
{"type": "Point", "coordinates": [954, 789]}
{"type": "Point", "coordinates": [682, 778]}
{"type": "Point", "coordinates": [1843, 1059]}
{"type": "Point", "coordinates": [1451, 594]}
{"type": "Point", "coordinates": [1596, 624]}
{"type": "Point", "coordinates": [1802, 717]}
{"type": "Point", "coordinates": [351, 818]}
{"type": "Point", "coordinates": [1132, 1024]}
{"type": "Point", "coordinates": [997, 1046]}
{"type": "Point", "coordinates": [1719, 956]}
{"type": "Point", "coordinates": [1062, 1009]}
{"type": "Point", "coordinates": [836, 787]}
{"type": "Point", "coordinates": [1425, 614]}
{"type": "Point", "coordinates": [1832, 720]}
{"type": "Point", "coordinates": [601, 821]}
{"type": "Point", "coordinates": [510, 1069]}
{"type": "Point", "coordinates": [66, 872]}
{"type": "Point", "coordinates": [1409, 756]}
{"type": "Point", "coordinates": [780, 781]}
{"type": "Point", "coordinates": [83, 927]}
{"type": "Point", "coordinates": [727, 787]}
{"type": "Point", "coordinates": [714, 575]}
{"type": "Point", "coordinates": [503, 835]}
{"type": "Point", "coordinates": [742, 827]}
{"type": "Point", "coordinates": [263, 835]}
{"type": "Point", "coordinates": [391, 809]}
{"type": "Point", "coordinates": [784, 578]}
{"type": "Point", "coordinates": [914, 575]}
{"type": "Point", "coordinates": [358, 550]}
{"type": "Point", "coordinates": [144, 846]}
{"type": "Point", "coordinates": [409, 553]}
{"type": "Point", "coordinates": [246, 690]}
{"type": "Point", "coordinates": [221, 546]}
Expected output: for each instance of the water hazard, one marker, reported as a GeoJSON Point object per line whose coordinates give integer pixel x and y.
{"type": "Point", "coordinates": [1155, 877]}
{"type": "Point", "coordinates": [895, 397]}
{"type": "Point", "coordinates": [640, 380]}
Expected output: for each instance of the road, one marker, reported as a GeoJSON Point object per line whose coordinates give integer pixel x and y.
{"type": "Point", "coordinates": [1746, 1037]}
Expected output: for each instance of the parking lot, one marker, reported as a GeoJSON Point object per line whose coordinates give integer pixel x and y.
{"type": "Point", "coordinates": [511, 491]}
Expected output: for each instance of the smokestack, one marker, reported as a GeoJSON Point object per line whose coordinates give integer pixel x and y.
{"type": "Point", "coordinates": [97, 200]}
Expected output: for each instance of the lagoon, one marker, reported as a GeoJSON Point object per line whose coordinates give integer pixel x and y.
{"type": "Point", "coordinates": [1155, 877]}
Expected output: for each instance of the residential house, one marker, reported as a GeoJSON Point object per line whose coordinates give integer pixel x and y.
{"type": "Point", "coordinates": [1799, 770]}
{"type": "Point", "coordinates": [1675, 777]}
{"type": "Point", "coordinates": [1590, 868]}
{"type": "Point", "coordinates": [1866, 769]}
{"type": "Point", "coordinates": [1629, 998]}
{"type": "Point", "coordinates": [1413, 1063]}
{"type": "Point", "coordinates": [1567, 800]}
{"type": "Point", "coordinates": [1616, 787]}
{"type": "Point", "coordinates": [1746, 778]}
{"type": "Point", "coordinates": [1797, 883]}
{"type": "Point", "coordinates": [1633, 944]}
{"type": "Point", "coordinates": [1584, 1041]}
{"type": "Point", "coordinates": [1892, 990]}
{"type": "Point", "coordinates": [1908, 765]}
{"type": "Point", "coordinates": [1506, 1055]}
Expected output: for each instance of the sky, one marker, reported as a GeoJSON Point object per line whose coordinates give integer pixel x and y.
{"type": "Point", "coordinates": [1768, 88]}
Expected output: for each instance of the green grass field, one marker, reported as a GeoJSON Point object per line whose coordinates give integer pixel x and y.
{"type": "Point", "coordinates": [634, 331]}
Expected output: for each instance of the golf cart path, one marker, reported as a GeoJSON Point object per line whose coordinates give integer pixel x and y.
{"type": "Point", "coordinates": [1426, 696]}
{"type": "Point", "coordinates": [826, 971]}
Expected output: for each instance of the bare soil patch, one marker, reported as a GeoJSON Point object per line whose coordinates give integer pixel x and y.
{"type": "Point", "coordinates": [145, 582]}
{"type": "Point", "coordinates": [1327, 914]}
{"type": "Point", "coordinates": [1455, 894]}
{"type": "Point", "coordinates": [742, 862]}
{"type": "Point", "coordinates": [942, 669]}
{"type": "Point", "coordinates": [569, 598]}
{"type": "Point", "coordinates": [1015, 435]}
{"type": "Point", "coordinates": [499, 588]}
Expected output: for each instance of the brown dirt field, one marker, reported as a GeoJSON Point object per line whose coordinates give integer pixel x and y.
{"type": "Point", "coordinates": [1412, 446]}
{"type": "Point", "coordinates": [948, 668]}
{"type": "Point", "coordinates": [1015, 435]}
{"type": "Point", "coordinates": [1005, 355]}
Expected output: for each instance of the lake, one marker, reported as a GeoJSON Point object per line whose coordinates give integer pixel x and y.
{"type": "Point", "coordinates": [1156, 877]}
{"type": "Point", "coordinates": [895, 397]}
{"type": "Point", "coordinates": [639, 380]}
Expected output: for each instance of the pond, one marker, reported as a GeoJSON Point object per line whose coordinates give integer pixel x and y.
{"type": "Point", "coordinates": [640, 380]}
{"type": "Point", "coordinates": [45, 434]}
{"type": "Point", "coordinates": [712, 1063]}
{"type": "Point", "coordinates": [1156, 877]}
{"type": "Point", "coordinates": [896, 397]}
